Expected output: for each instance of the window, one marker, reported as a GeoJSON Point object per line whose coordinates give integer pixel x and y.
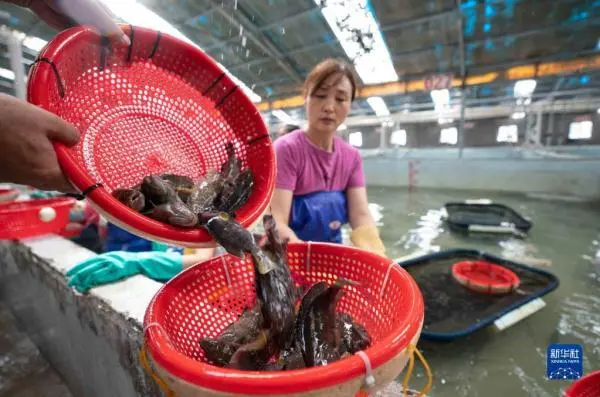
{"type": "Point", "coordinates": [508, 133]}
{"type": "Point", "coordinates": [449, 135]}
{"type": "Point", "coordinates": [580, 130]}
{"type": "Point", "coordinates": [398, 138]}
{"type": "Point", "coordinates": [355, 139]}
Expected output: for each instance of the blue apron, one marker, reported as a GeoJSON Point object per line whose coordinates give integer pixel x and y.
{"type": "Point", "coordinates": [118, 239]}
{"type": "Point", "coordinates": [319, 216]}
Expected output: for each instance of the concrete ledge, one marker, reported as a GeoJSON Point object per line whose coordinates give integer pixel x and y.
{"type": "Point", "coordinates": [92, 345]}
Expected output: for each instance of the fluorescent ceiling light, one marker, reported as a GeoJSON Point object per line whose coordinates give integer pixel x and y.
{"type": "Point", "coordinates": [342, 127]}
{"type": "Point", "coordinates": [283, 116]}
{"type": "Point", "coordinates": [137, 14]}
{"type": "Point", "coordinates": [443, 121]}
{"type": "Point", "coordinates": [349, 19]}
{"type": "Point", "coordinates": [378, 105]}
{"type": "Point", "coordinates": [524, 88]}
{"type": "Point", "coordinates": [34, 43]}
{"type": "Point", "coordinates": [508, 133]}
{"type": "Point", "coordinates": [598, 110]}
{"type": "Point", "coordinates": [7, 74]}
{"type": "Point", "coordinates": [518, 115]}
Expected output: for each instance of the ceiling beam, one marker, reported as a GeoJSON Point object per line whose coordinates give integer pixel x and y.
{"type": "Point", "coordinates": [264, 43]}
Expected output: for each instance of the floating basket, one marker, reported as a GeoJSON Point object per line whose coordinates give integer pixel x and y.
{"type": "Point", "coordinates": [587, 386]}
{"type": "Point", "coordinates": [158, 106]}
{"type": "Point", "coordinates": [485, 277]}
{"type": "Point", "coordinates": [204, 299]}
{"type": "Point", "coordinates": [32, 218]}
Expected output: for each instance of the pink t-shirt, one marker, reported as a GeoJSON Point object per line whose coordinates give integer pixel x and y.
{"type": "Point", "coordinates": [304, 168]}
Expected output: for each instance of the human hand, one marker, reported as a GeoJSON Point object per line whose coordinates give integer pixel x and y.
{"type": "Point", "coordinates": [27, 156]}
{"type": "Point", "coordinates": [367, 237]}
{"type": "Point", "coordinates": [63, 14]}
{"type": "Point", "coordinates": [114, 266]}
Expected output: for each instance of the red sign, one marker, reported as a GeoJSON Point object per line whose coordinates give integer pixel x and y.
{"type": "Point", "coordinates": [438, 82]}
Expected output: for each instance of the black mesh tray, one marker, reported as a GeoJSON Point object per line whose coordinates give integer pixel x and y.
{"type": "Point", "coordinates": [462, 215]}
{"type": "Point", "coordinates": [453, 311]}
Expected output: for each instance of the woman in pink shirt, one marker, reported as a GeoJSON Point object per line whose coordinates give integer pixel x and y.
{"type": "Point", "coordinates": [320, 181]}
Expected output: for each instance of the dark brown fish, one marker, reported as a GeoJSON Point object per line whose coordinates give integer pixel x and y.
{"type": "Point", "coordinates": [231, 235]}
{"type": "Point", "coordinates": [242, 331]}
{"type": "Point", "coordinates": [183, 185]}
{"type": "Point", "coordinates": [320, 332]}
{"type": "Point", "coordinates": [275, 288]}
{"type": "Point", "coordinates": [175, 213]}
{"type": "Point", "coordinates": [354, 335]}
{"type": "Point", "coordinates": [157, 191]}
{"type": "Point", "coordinates": [132, 198]}
{"type": "Point", "coordinates": [235, 193]}
{"type": "Point", "coordinates": [204, 193]}
{"type": "Point", "coordinates": [231, 168]}
{"type": "Point", "coordinates": [254, 355]}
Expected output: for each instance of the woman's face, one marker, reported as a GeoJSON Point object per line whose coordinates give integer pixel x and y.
{"type": "Point", "coordinates": [328, 106]}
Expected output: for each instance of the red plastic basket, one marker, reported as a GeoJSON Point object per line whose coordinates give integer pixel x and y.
{"type": "Point", "coordinates": [204, 299]}
{"type": "Point", "coordinates": [485, 277]}
{"type": "Point", "coordinates": [586, 386]}
{"type": "Point", "coordinates": [32, 218]}
{"type": "Point", "coordinates": [159, 105]}
{"type": "Point", "coordinates": [8, 194]}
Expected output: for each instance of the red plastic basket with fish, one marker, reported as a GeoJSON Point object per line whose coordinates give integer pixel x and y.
{"type": "Point", "coordinates": [204, 299]}
{"type": "Point", "coordinates": [24, 219]}
{"type": "Point", "coordinates": [485, 277]}
{"type": "Point", "coordinates": [587, 386]}
{"type": "Point", "coordinates": [158, 106]}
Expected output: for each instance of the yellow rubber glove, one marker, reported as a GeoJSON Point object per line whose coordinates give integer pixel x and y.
{"type": "Point", "coordinates": [367, 237]}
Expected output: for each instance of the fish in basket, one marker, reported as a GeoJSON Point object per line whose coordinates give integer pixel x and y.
{"type": "Point", "coordinates": [158, 110]}
{"type": "Point", "coordinates": [293, 319]}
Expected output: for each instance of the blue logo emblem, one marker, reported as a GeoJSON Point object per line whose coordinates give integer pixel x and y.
{"type": "Point", "coordinates": [564, 362]}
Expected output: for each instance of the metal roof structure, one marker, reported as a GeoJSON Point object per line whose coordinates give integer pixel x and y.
{"type": "Point", "coordinates": [484, 46]}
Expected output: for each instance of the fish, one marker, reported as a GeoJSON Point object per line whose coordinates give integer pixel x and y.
{"type": "Point", "coordinates": [133, 198]}
{"type": "Point", "coordinates": [318, 326]}
{"type": "Point", "coordinates": [235, 193]}
{"type": "Point", "coordinates": [204, 193]}
{"type": "Point", "coordinates": [275, 288]}
{"type": "Point", "coordinates": [254, 355]}
{"type": "Point", "coordinates": [157, 191]}
{"type": "Point", "coordinates": [243, 331]}
{"type": "Point", "coordinates": [231, 168]}
{"type": "Point", "coordinates": [230, 234]}
{"type": "Point", "coordinates": [354, 335]}
{"type": "Point", "coordinates": [175, 213]}
{"type": "Point", "coordinates": [183, 185]}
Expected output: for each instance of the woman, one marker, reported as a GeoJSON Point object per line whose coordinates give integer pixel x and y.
{"type": "Point", "coordinates": [320, 181]}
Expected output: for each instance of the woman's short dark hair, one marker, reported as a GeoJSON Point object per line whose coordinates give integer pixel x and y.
{"type": "Point", "coordinates": [325, 69]}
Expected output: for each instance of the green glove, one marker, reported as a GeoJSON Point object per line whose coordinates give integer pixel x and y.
{"type": "Point", "coordinates": [117, 265]}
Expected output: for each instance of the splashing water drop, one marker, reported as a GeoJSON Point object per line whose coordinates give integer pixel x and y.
{"type": "Point", "coordinates": [247, 53]}
{"type": "Point", "coordinates": [235, 5]}
{"type": "Point", "coordinates": [244, 41]}
{"type": "Point", "coordinates": [282, 30]}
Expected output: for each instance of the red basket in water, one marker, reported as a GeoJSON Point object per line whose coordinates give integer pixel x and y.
{"type": "Point", "coordinates": [160, 105]}
{"type": "Point", "coordinates": [485, 277]}
{"type": "Point", "coordinates": [587, 386]}
{"type": "Point", "coordinates": [204, 299]}
{"type": "Point", "coordinates": [32, 218]}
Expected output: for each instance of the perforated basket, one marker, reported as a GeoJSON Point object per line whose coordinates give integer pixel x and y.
{"type": "Point", "coordinates": [587, 386]}
{"type": "Point", "coordinates": [32, 218]}
{"type": "Point", "coordinates": [159, 105]}
{"type": "Point", "coordinates": [204, 299]}
{"type": "Point", "coordinates": [485, 277]}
